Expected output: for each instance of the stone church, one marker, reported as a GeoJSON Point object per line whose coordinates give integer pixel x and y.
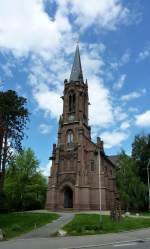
{"type": "Point", "coordinates": [82, 176]}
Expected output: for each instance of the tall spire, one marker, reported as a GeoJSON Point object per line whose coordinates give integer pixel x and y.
{"type": "Point", "coordinates": [76, 72]}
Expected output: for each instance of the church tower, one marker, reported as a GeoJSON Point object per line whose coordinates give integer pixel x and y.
{"type": "Point", "coordinates": [74, 178]}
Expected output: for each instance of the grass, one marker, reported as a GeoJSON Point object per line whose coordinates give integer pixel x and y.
{"type": "Point", "coordinates": [145, 214]}
{"type": "Point", "coordinates": [14, 224]}
{"type": "Point", "coordinates": [84, 224]}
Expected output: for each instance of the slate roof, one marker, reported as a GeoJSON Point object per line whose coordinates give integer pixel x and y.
{"type": "Point", "coordinates": [76, 72]}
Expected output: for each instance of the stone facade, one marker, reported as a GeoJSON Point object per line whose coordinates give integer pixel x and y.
{"type": "Point", "coordinates": [74, 182]}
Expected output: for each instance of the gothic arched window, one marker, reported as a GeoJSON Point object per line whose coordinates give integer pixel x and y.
{"type": "Point", "coordinates": [69, 137]}
{"type": "Point", "coordinates": [72, 102]}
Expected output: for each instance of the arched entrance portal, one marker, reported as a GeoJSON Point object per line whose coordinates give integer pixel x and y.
{"type": "Point", "coordinates": [68, 198]}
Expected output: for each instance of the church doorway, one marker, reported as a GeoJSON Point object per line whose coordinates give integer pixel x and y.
{"type": "Point", "coordinates": [68, 198]}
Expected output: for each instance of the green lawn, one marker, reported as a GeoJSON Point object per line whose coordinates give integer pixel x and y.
{"type": "Point", "coordinates": [145, 214]}
{"type": "Point", "coordinates": [14, 224]}
{"type": "Point", "coordinates": [83, 224]}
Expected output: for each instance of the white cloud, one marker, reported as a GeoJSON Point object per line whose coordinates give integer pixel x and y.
{"type": "Point", "coordinates": [100, 110]}
{"type": "Point", "coordinates": [114, 138]}
{"type": "Point", "coordinates": [119, 114]}
{"type": "Point", "coordinates": [44, 128]}
{"type": "Point", "coordinates": [46, 170]}
{"type": "Point", "coordinates": [143, 119]}
{"type": "Point", "coordinates": [119, 84]}
{"type": "Point", "coordinates": [120, 62]}
{"type": "Point", "coordinates": [125, 125]}
{"type": "Point", "coordinates": [47, 83]}
{"type": "Point", "coordinates": [26, 27]}
{"type": "Point", "coordinates": [132, 109]}
{"type": "Point", "coordinates": [107, 14]}
{"type": "Point", "coordinates": [49, 101]}
{"type": "Point", "coordinates": [92, 61]}
{"type": "Point", "coordinates": [92, 65]}
{"type": "Point", "coordinates": [144, 54]}
{"type": "Point", "coordinates": [133, 95]}
{"type": "Point", "coordinates": [7, 68]}
{"type": "Point", "coordinates": [125, 58]}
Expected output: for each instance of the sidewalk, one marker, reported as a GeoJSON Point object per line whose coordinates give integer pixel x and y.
{"type": "Point", "coordinates": [47, 230]}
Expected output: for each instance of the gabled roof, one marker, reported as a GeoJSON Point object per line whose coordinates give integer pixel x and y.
{"type": "Point", "coordinates": [76, 72]}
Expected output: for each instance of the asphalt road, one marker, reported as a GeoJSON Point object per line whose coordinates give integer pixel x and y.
{"type": "Point", "coordinates": [46, 244]}
{"type": "Point", "coordinates": [129, 245]}
{"type": "Point", "coordinates": [139, 239]}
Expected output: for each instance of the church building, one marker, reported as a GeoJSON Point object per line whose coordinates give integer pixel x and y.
{"type": "Point", "coordinates": [82, 175]}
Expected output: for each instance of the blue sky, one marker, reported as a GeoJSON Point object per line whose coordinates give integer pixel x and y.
{"type": "Point", "coordinates": [37, 44]}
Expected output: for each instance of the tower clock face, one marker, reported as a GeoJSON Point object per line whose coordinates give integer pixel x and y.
{"type": "Point", "coordinates": [71, 117]}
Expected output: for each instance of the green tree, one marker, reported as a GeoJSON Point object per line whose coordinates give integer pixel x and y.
{"type": "Point", "coordinates": [13, 119]}
{"type": "Point", "coordinates": [141, 154]}
{"type": "Point", "coordinates": [132, 192]}
{"type": "Point", "coordinates": [25, 186]}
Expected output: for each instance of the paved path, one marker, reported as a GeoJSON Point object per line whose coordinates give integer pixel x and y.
{"type": "Point", "coordinates": [49, 229]}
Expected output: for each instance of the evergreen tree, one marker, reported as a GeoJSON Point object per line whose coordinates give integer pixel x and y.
{"type": "Point", "coordinates": [13, 119]}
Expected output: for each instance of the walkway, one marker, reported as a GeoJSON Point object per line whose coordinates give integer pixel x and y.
{"type": "Point", "coordinates": [49, 229]}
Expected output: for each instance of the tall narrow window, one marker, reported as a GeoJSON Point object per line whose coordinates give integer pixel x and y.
{"type": "Point", "coordinates": [72, 102]}
{"type": "Point", "coordinates": [69, 137]}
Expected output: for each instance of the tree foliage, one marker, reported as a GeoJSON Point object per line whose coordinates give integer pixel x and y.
{"type": "Point", "coordinates": [25, 186]}
{"type": "Point", "coordinates": [13, 119]}
{"type": "Point", "coordinates": [141, 154]}
{"type": "Point", "coordinates": [132, 174]}
{"type": "Point", "coordinates": [132, 192]}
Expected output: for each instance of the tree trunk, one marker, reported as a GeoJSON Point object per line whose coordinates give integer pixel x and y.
{"type": "Point", "coordinates": [5, 151]}
{"type": "Point", "coordinates": [1, 145]}
{"type": "Point", "coordinates": [2, 172]}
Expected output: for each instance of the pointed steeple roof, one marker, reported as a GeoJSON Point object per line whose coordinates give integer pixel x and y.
{"type": "Point", "coordinates": [76, 72]}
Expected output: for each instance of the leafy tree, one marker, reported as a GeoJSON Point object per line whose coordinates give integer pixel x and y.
{"type": "Point", "coordinates": [132, 192]}
{"type": "Point", "coordinates": [141, 154]}
{"type": "Point", "coordinates": [25, 186]}
{"type": "Point", "coordinates": [13, 119]}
